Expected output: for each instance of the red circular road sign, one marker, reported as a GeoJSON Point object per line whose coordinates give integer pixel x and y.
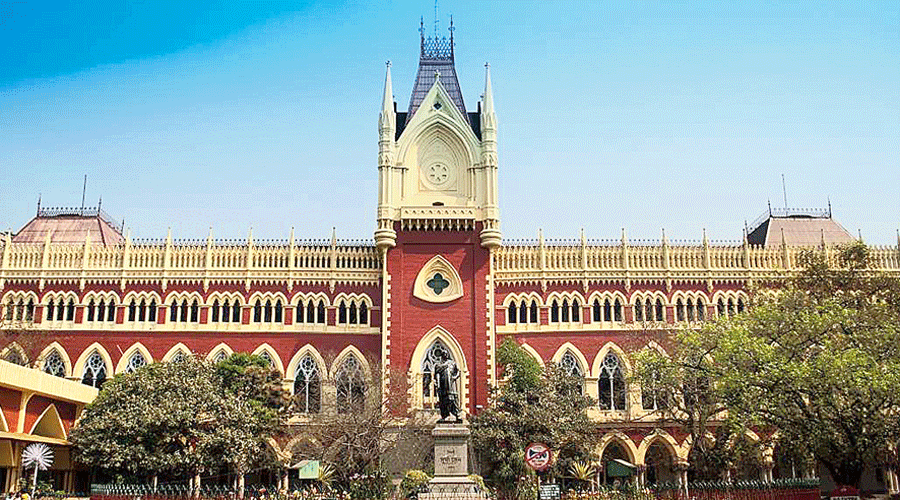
{"type": "Point", "coordinates": [538, 456]}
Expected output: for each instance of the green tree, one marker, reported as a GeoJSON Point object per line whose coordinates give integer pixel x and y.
{"type": "Point", "coordinates": [681, 387]}
{"type": "Point", "coordinates": [253, 379]}
{"type": "Point", "coordinates": [818, 359]}
{"type": "Point", "coordinates": [534, 405]}
{"type": "Point", "coordinates": [171, 419]}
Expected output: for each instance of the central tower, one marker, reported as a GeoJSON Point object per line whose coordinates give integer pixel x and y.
{"type": "Point", "coordinates": [438, 222]}
{"type": "Point", "coordinates": [437, 162]}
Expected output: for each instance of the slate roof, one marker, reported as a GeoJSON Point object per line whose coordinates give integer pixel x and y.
{"type": "Point", "coordinates": [437, 55]}
{"type": "Point", "coordinates": [800, 228]}
{"type": "Point", "coordinates": [71, 226]}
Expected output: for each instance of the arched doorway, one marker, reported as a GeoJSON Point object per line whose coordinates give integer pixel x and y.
{"type": "Point", "coordinates": [659, 465]}
{"type": "Point", "coordinates": [617, 468]}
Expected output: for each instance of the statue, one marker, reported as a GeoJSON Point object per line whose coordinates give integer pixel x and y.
{"type": "Point", "coordinates": [446, 374]}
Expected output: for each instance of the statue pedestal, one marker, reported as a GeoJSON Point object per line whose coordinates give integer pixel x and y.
{"type": "Point", "coordinates": [451, 464]}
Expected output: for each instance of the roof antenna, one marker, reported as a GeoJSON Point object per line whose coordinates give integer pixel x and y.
{"type": "Point", "coordinates": [83, 190]}
{"type": "Point", "coordinates": [784, 191]}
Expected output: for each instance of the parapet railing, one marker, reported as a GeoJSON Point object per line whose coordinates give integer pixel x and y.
{"type": "Point", "coordinates": [178, 260]}
{"type": "Point", "coordinates": [664, 258]}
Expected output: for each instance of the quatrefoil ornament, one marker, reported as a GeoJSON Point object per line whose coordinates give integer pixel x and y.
{"type": "Point", "coordinates": [438, 283]}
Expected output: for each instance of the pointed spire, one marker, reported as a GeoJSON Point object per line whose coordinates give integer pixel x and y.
{"type": "Point", "coordinates": [209, 237]}
{"type": "Point", "coordinates": [39, 205]}
{"type": "Point", "coordinates": [487, 105]}
{"type": "Point", "coordinates": [291, 239]}
{"type": "Point", "coordinates": [387, 101]}
{"type": "Point", "coordinates": [387, 117]}
{"type": "Point", "coordinates": [250, 237]}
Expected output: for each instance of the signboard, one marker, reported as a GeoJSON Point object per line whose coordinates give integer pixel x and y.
{"type": "Point", "coordinates": [307, 469]}
{"type": "Point", "coordinates": [538, 456]}
{"type": "Point", "coordinates": [549, 492]}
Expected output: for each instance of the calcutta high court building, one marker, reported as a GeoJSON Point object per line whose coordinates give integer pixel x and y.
{"type": "Point", "coordinates": [437, 276]}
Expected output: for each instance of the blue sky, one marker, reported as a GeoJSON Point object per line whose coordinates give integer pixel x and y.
{"type": "Point", "coordinates": [642, 115]}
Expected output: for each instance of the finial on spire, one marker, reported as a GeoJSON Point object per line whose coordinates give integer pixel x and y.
{"type": "Point", "coordinates": [39, 204]}
{"type": "Point", "coordinates": [435, 18]}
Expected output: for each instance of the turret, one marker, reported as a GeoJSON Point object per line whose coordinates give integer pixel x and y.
{"type": "Point", "coordinates": [490, 235]}
{"type": "Point", "coordinates": [385, 236]}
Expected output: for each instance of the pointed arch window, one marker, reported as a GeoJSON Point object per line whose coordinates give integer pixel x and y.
{"type": "Point", "coordinates": [14, 356]}
{"type": "Point", "coordinates": [136, 361]}
{"type": "Point", "coordinates": [268, 311]}
{"type": "Point", "coordinates": [351, 388]}
{"type": "Point", "coordinates": [654, 397]}
{"type": "Point", "coordinates": [597, 311]}
{"type": "Point", "coordinates": [565, 310]}
{"type": "Point", "coordinates": [701, 309]}
{"type": "Point", "coordinates": [659, 310]}
{"type": "Point", "coordinates": [720, 308]}
{"type": "Point", "coordinates": [679, 310]}
{"type": "Point", "coordinates": [257, 311]}
{"type": "Point", "coordinates": [320, 313]}
{"type": "Point", "coordinates": [611, 384]}
{"type": "Point", "coordinates": [220, 356]}
{"type": "Point", "coordinates": [533, 313]}
{"type": "Point", "coordinates": [342, 313]}
{"type": "Point", "coordinates": [111, 311]}
{"type": "Point", "coordinates": [639, 310]}
{"type": "Point", "coordinates": [308, 386]}
{"type": "Point", "coordinates": [554, 311]}
{"type": "Point", "coordinates": [95, 371]}
{"type": "Point", "coordinates": [354, 317]}
{"type": "Point", "coordinates": [617, 310]}
{"type": "Point", "coordinates": [310, 312]}
{"type": "Point", "coordinates": [648, 310]}
{"type": "Point", "coordinates": [300, 313]}
{"type": "Point", "coordinates": [195, 311]}
{"type": "Point", "coordinates": [178, 357]}
{"type": "Point", "coordinates": [523, 311]}
{"type": "Point", "coordinates": [132, 311]}
{"type": "Point", "coordinates": [91, 310]}
{"type": "Point", "coordinates": [279, 312]}
{"type": "Point", "coordinates": [236, 312]}
{"type": "Point", "coordinates": [267, 358]}
{"type": "Point", "coordinates": [363, 313]}
{"type": "Point", "coordinates": [101, 310]}
{"type": "Point", "coordinates": [54, 365]}
{"type": "Point", "coordinates": [689, 308]}
{"type": "Point", "coordinates": [70, 310]}
{"type": "Point", "coordinates": [512, 316]}
{"type": "Point", "coordinates": [570, 366]}
{"type": "Point", "coordinates": [215, 311]}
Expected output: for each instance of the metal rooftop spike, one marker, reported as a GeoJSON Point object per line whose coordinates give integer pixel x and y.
{"type": "Point", "coordinates": [436, 55]}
